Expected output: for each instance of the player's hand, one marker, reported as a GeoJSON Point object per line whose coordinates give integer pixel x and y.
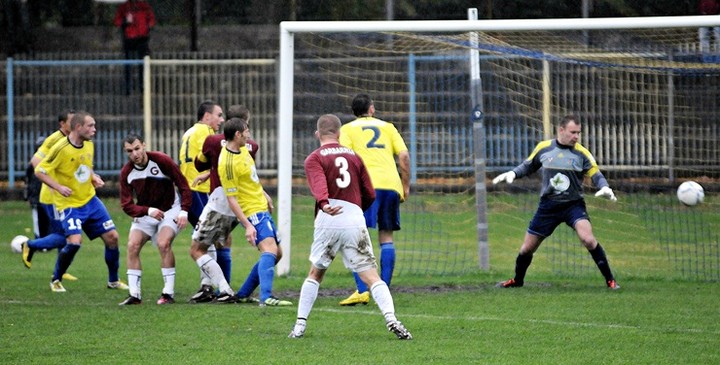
{"type": "Point", "coordinates": [200, 179]}
{"type": "Point", "coordinates": [182, 220]}
{"type": "Point", "coordinates": [251, 235]}
{"type": "Point", "coordinates": [156, 213]}
{"type": "Point", "coordinates": [328, 209]}
{"type": "Point", "coordinates": [508, 177]}
{"type": "Point", "coordinates": [606, 192]}
{"type": "Point", "coordinates": [97, 181]}
{"type": "Point", "coordinates": [64, 191]}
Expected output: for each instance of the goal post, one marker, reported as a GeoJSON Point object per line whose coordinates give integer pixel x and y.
{"type": "Point", "coordinates": [430, 31]}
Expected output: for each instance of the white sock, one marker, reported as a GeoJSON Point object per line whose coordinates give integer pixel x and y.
{"type": "Point", "coordinates": [211, 268]}
{"type": "Point", "coordinates": [168, 274]}
{"type": "Point", "coordinates": [308, 294]}
{"type": "Point", "coordinates": [383, 298]}
{"type": "Point", "coordinates": [204, 279]}
{"type": "Point", "coordinates": [134, 278]}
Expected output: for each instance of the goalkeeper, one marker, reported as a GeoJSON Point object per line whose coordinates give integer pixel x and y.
{"type": "Point", "coordinates": [564, 164]}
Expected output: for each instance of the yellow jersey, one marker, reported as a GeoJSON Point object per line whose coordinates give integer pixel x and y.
{"type": "Point", "coordinates": [239, 178]}
{"type": "Point", "coordinates": [46, 192]}
{"type": "Point", "coordinates": [377, 142]}
{"type": "Point", "coordinates": [191, 146]}
{"type": "Point", "coordinates": [70, 166]}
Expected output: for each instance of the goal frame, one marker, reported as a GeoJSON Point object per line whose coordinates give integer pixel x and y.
{"type": "Point", "coordinates": [286, 77]}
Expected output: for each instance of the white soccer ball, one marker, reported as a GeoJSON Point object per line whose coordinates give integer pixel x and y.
{"type": "Point", "coordinates": [16, 243]}
{"type": "Point", "coordinates": [690, 193]}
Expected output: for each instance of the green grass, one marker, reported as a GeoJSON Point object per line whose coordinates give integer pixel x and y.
{"type": "Point", "coordinates": [455, 319]}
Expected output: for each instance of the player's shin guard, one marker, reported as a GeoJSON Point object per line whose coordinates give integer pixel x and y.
{"type": "Point", "coordinates": [308, 295]}
{"type": "Point", "coordinates": [598, 255]}
{"type": "Point", "coordinates": [522, 262]}
{"type": "Point", "coordinates": [251, 283]}
{"type": "Point", "coordinates": [49, 242]}
{"type": "Point", "coordinates": [387, 261]}
{"type": "Point", "coordinates": [112, 260]}
{"type": "Point", "coordinates": [361, 287]}
{"type": "Point", "coordinates": [224, 259]}
{"type": "Point", "coordinates": [65, 258]}
{"type": "Point", "coordinates": [266, 273]}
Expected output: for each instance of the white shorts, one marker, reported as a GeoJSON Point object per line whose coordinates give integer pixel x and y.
{"type": "Point", "coordinates": [352, 243]}
{"type": "Point", "coordinates": [213, 227]}
{"type": "Point", "coordinates": [151, 226]}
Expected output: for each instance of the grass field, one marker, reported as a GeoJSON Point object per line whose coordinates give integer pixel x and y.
{"type": "Point", "coordinates": [455, 319]}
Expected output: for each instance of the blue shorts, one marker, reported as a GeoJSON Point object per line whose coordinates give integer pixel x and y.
{"type": "Point", "coordinates": [92, 218]}
{"type": "Point", "coordinates": [264, 226]}
{"type": "Point", "coordinates": [550, 214]}
{"type": "Point", "coordinates": [54, 224]}
{"type": "Point", "coordinates": [199, 200]}
{"type": "Point", "coordinates": [384, 213]}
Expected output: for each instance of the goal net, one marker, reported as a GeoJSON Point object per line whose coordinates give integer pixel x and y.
{"type": "Point", "coordinates": [645, 93]}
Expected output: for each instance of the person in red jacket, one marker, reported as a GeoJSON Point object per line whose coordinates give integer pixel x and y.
{"type": "Point", "coordinates": [135, 18]}
{"type": "Point", "coordinates": [148, 194]}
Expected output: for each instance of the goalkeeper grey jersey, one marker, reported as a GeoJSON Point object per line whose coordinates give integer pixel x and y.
{"type": "Point", "coordinates": [563, 170]}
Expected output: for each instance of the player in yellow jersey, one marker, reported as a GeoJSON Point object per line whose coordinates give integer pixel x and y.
{"type": "Point", "coordinates": [68, 170]}
{"type": "Point", "coordinates": [378, 143]}
{"type": "Point", "coordinates": [248, 202]}
{"type": "Point", "coordinates": [209, 118]}
{"type": "Point", "coordinates": [48, 229]}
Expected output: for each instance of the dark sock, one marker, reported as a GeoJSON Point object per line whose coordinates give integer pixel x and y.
{"type": "Point", "coordinates": [112, 260]}
{"type": "Point", "coordinates": [224, 259]}
{"type": "Point", "coordinates": [65, 258]}
{"type": "Point", "coordinates": [522, 262]}
{"type": "Point", "coordinates": [598, 254]}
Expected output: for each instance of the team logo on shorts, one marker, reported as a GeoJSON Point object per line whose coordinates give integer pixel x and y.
{"type": "Point", "coordinates": [560, 182]}
{"type": "Point", "coordinates": [108, 224]}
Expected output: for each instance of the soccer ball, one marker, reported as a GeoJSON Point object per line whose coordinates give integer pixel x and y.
{"type": "Point", "coordinates": [16, 243]}
{"type": "Point", "coordinates": [690, 193]}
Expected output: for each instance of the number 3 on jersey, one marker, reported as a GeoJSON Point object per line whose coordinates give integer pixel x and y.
{"type": "Point", "coordinates": [344, 180]}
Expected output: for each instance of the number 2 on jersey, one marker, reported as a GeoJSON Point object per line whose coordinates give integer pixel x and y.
{"type": "Point", "coordinates": [376, 135]}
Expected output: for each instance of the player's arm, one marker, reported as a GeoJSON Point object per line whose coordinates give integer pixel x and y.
{"type": "Point", "coordinates": [126, 197]}
{"type": "Point", "coordinates": [367, 191]}
{"type": "Point", "coordinates": [202, 162]}
{"type": "Point", "coordinates": [45, 168]}
{"type": "Point", "coordinates": [250, 232]}
{"type": "Point", "coordinates": [404, 163]}
{"type": "Point", "coordinates": [317, 181]}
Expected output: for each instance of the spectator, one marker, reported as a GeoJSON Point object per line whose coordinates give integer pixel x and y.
{"type": "Point", "coordinates": [135, 18]}
{"type": "Point", "coordinates": [709, 7]}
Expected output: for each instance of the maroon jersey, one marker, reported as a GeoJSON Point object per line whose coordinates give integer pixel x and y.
{"type": "Point", "coordinates": [152, 186]}
{"type": "Point", "coordinates": [210, 156]}
{"type": "Point", "coordinates": [336, 172]}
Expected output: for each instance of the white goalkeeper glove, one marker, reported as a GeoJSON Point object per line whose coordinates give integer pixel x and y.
{"type": "Point", "coordinates": [505, 176]}
{"type": "Point", "coordinates": [606, 192]}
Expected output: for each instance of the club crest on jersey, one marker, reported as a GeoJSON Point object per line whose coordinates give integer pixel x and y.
{"type": "Point", "coordinates": [82, 174]}
{"type": "Point", "coordinates": [560, 182]}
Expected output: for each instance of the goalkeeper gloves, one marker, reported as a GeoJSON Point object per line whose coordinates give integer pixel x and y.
{"type": "Point", "coordinates": [606, 192]}
{"type": "Point", "coordinates": [506, 176]}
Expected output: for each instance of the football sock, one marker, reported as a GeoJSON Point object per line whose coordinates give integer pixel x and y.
{"type": "Point", "coordinates": [387, 261]}
{"type": "Point", "coordinates": [361, 287]}
{"type": "Point", "coordinates": [598, 255]}
{"type": "Point", "coordinates": [383, 298]}
{"type": "Point", "coordinates": [168, 274]}
{"type": "Point", "coordinates": [213, 271]}
{"type": "Point", "coordinates": [522, 262]}
{"type": "Point", "coordinates": [266, 273]}
{"type": "Point", "coordinates": [65, 258]}
{"type": "Point", "coordinates": [224, 259]}
{"type": "Point", "coordinates": [134, 277]}
{"type": "Point", "coordinates": [112, 260]}
{"type": "Point", "coordinates": [204, 279]}
{"type": "Point", "coordinates": [251, 282]}
{"type": "Point", "coordinates": [308, 294]}
{"type": "Point", "coordinates": [49, 242]}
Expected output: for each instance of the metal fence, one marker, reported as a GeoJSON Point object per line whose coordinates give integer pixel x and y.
{"type": "Point", "coordinates": [627, 115]}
